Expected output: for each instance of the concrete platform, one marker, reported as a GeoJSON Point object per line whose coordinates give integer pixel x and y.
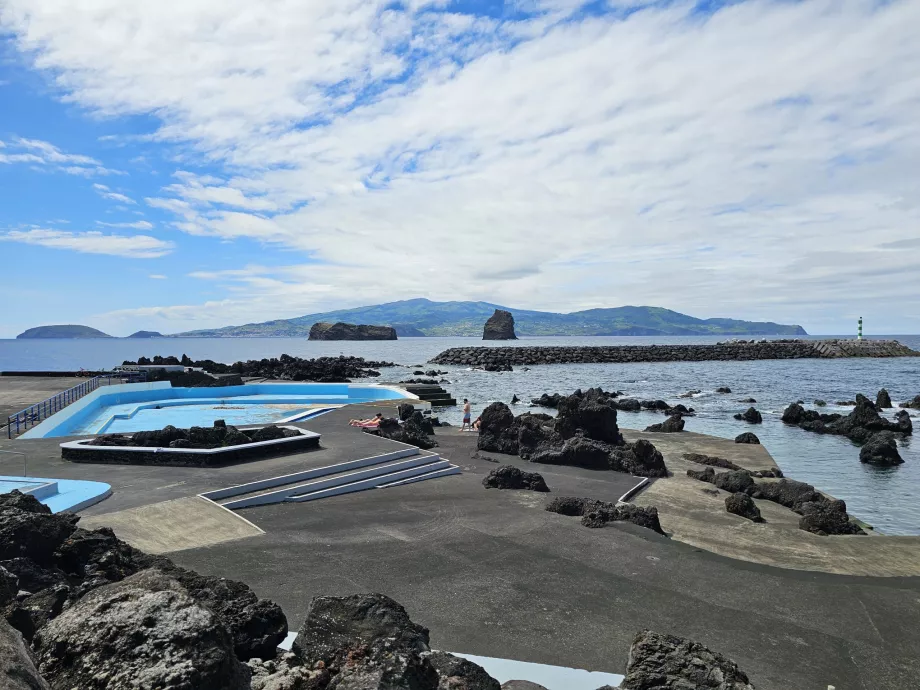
{"type": "Point", "coordinates": [18, 392]}
{"type": "Point", "coordinates": [491, 573]}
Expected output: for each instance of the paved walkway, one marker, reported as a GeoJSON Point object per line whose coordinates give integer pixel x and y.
{"type": "Point", "coordinates": [18, 392]}
{"type": "Point", "coordinates": [695, 517]}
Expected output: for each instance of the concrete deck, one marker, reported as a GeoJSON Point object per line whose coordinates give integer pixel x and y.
{"type": "Point", "coordinates": [695, 517]}
{"type": "Point", "coordinates": [18, 392]}
{"type": "Point", "coordinates": [492, 573]}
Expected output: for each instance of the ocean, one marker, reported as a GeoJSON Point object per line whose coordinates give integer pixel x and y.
{"type": "Point", "coordinates": [882, 497]}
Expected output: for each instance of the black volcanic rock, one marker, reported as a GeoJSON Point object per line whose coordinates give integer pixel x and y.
{"type": "Point", "coordinates": [498, 430]}
{"type": "Point", "coordinates": [751, 416]}
{"type": "Point", "coordinates": [547, 400]}
{"type": "Point", "coordinates": [415, 431]}
{"type": "Point", "coordinates": [883, 400]}
{"type": "Point", "coordinates": [673, 424]}
{"type": "Point", "coordinates": [881, 449]}
{"type": "Point", "coordinates": [734, 481]}
{"type": "Point", "coordinates": [593, 412]}
{"type": "Point", "coordinates": [827, 517]}
{"type": "Point", "coordinates": [640, 458]}
{"type": "Point", "coordinates": [511, 477]}
{"type": "Point", "coordinates": [666, 662]}
{"type": "Point", "coordinates": [500, 326]}
{"type": "Point", "coordinates": [712, 461]}
{"type": "Point", "coordinates": [350, 331]}
{"type": "Point", "coordinates": [456, 673]}
{"type": "Point", "coordinates": [747, 437]}
{"type": "Point", "coordinates": [743, 505]}
{"type": "Point", "coordinates": [17, 663]}
{"type": "Point", "coordinates": [576, 452]}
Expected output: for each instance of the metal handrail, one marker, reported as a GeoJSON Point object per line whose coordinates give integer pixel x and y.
{"type": "Point", "coordinates": [38, 412]}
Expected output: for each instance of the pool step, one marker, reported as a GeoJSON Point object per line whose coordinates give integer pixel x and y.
{"type": "Point", "coordinates": [388, 469]}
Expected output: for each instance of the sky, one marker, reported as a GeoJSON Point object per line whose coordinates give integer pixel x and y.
{"type": "Point", "coordinates": [186, 164]}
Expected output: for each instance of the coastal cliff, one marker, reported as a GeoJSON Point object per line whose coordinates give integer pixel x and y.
{"type": "Point", "coordinates": [350, 331]}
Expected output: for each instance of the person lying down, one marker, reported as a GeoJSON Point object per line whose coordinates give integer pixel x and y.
{"type": "Point", "coordinates": [367, 423]}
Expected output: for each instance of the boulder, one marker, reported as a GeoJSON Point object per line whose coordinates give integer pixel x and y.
{"type": "Point", "coordinates": [747, 400]}
{"type": "Point", "coordinates": [576, 452]}
{"type": "Point", "coordinates": [820, 403]}
{"type": "Point", "coordinates": [593, 412]}
{"type": "Point", "coordinates": [498, 430]}
{"type": "Point", "coordinates": [640, 458]}
{"type": "Point", "coordinates": [415, 431]}
{"type": "Point", "coordinates": [751, 416]}
{"type": "Point", "coordinates": [690, 394]}
{"type": "Point", "coordinates": [638, 515]}
{"type": "Point", "coordinates": [794, 414]}
{"type": "Point", "coordinates": [672, 424]}
{"type": "Point", "coordinates": [500, 326]}
{"type": "Point", "coordinates": [657, 405]}
{"type": "Point", "coordinates": [628, 405]}
{"type": "Point", "coordinates": [271, 433]}
{"type": "Point", "coordinates": [913, 404]}
{"type": "Point", "coordinates": [496, 366]}
{"type": "Point", "coordinates": [511, 477]}
{"type": "Point", "coordinates": [350, 331]}
{"type": "Point", "coordinates": [522, 685]}
{"type": "Point", "coordinates": [881, 449]}
{"type": "Point", "coordinates": [734, 481]}
{"type": "Point", "coordinates": [143, 632]}
{"type": "Point", "coordinates": [743, 505]}
{"type": "Point", "coordinates": [747, 437]}
{"type": "Point", "coordinates": [366, 641]}
{"type": "Point", "coordinates": [904, 423]}
{"type": "Point", "coordinates": [883, 400]}
{"type": "Point", "coordinates": [706, 475]}
{"type": "Point", "coordinates": [17, 664]}
{"type": "Point", "coordinates": [711, 461]}
{"type": "Point", "coordinates": [28, 529]}
{"type": "Point", "coordinates": [235, 437]}
{"type": "Point", "coordinates": [827, 517]}
{"type": "Point", "coordinates": [456, 673]}
{"type": "Point", "coordinates": [576, 507]}
{"type": "Point", "coordinates": [29, 614]}
{"type": "Point", "coordinates": [666, 662]}
{"type": "Point", "coordinates": [723, 389]}
{"type": "Point", "coordinates": [9, 586]}
{"type": "Point", "coordinates": [535, 433]}
{"type": "Point", "coordinates": [787, 492]}
{"type": "Point", "coordinates": [547, 400]}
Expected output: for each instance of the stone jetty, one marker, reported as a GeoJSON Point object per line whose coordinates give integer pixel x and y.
{"type": "Point", "coordinates": [728, 351]}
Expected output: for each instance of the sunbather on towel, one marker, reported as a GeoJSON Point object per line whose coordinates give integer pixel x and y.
{"type": "Point", "coordinates": [373, 421]}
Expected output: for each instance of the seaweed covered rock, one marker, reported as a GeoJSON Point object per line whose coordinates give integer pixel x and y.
{"type": "Point", "coordinates": [747, 437]}
{"type": "Point", "coordinates": [672, 424]}
{"type": "Point", "coordinates": [640, 458]}
{"type": "Point", "coordinates": [145, 631]}
{"type": "Point", "coordinates": [881, 449]}
{"type": "Point", "coordinates": [511, 477]}
{"type": "Point", "coordinates": [667, 662]}
{"type": "Point", "coordinates": [455, 673]}
{"type": "Point", "coordinates": [751, 416]}
{"type": "Point", "coordinates": [743, 505]}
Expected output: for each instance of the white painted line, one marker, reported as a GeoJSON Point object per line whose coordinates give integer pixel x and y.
{"type": "Point", "coordinates": [633, 491]}
{"type": "Point", "coordinates": [236, 515]}
{"type": "Point", "coordinates": [446, 472]}
{"type": "Point", "coordinates": [371, 483]}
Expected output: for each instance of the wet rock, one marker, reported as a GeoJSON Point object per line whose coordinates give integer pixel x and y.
{"type": "Point", "coordinates": [723, 389]}
{"type": "Point", "coordinates": [666, 662]}
{"type": "Point", "coordinates": [743, 505]}
{"type": "Point", "coordinates": [515, 399]}
{"type": "Point", "coordinates": [912, 404]}
{"type": "Point", "coordinates": [750, 416]}
{"type": "Point", "coordinates": [498, 431]}
{"type": "Point", "coordinates": [496, 366]}
{"type": "Point", "coordinates": [366, 641]}
{"type": "Point", "coordinates": [547, 400]}
{"type": "Point", "coordinates": [690, 394]}
{"type": "Point", "coordinates": [881, 449]}
{"type": "Point", "coordinates": [656, 405]}
{"type": "Point", "coordinates": [747, 437]}
{"type": "Point", "coordinates": [827, 517]}
{"type": "Point", "coordinates": [711, 461]}
{"type": "Point", "coordinates": [706, 475]}
{"type": "Point", "coordinates": [794, 414]}
{"type": "Point", "coordinates": [628, 405]}
{"type": "Point", "coordinates": [456, 673]}
{"type": "Point", "coordinates": [500, 326]}
{"type": "Point", "coordinates": [734, 481]}
{"type": "Point", "coordinates": [17, 664]}
{"type": "Point", "coordinates": [640, 458]}
{"type": "Point", "coordinates": [511, 477]}
{"type": "Point", "coordinates": [673, 424]}
{"type": "Point", "coordinates": [820, 403]}
{"type": "Point", "coordinates": [883, 400]}
{"type": "Point", "coordinates": [683, 410]}
{"type": "Point", "coordinates": [747, 400]}
{"type": "Point", "coordinates": [858, 426]}
{"type": "Point", "coordinates": [286, 673]}
{"type": "Point", "coordinates": [904, 423]}
{"type": "Point", "coordinates": [143, 632]}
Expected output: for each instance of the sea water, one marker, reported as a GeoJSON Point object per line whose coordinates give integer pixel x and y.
{"type": "Point", "coordinates": [883, 497]}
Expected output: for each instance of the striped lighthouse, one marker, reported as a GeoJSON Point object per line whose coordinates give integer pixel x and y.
{"type": "Point", "coordinates": [859, 330]}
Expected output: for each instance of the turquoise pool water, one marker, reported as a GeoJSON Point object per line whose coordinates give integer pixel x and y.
{"type": "Point", "coordinates": [148, 406]}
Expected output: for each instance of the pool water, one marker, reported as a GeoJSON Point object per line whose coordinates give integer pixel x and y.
{"type": "Point", "coordinates": [148, 406]}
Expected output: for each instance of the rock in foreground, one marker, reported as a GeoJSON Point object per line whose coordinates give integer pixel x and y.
{"type": "Point", "coordinates": [500, 326]}
{"type": "Point", "coordinates": [17, 665]}
{"type": "Point", "coordinates": [673, 424]}
{"type": "Point", "coordinates": [747, 437]}
{"type": "Point", "coordinates": [595, 513]}
{"type": "Point", "coordinates": [743, 505]}
{"type": "Point", "coordinates": [511, 477]}
{"type": "Point", "coordinates": [350, 331]}
{"type": "Point", "coordinates": [881, 449]}
{"type": "Point", "coordinates": [667, 662]}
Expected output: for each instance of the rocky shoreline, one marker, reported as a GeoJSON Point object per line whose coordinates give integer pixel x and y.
{"type": "Point", "coordinates": [486, 357]}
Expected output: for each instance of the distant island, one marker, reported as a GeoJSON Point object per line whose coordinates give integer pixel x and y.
{"type": "Point", "coordinates": [61, 331]}
{"type": "Point", "coordinates": [423, 317]}
{"type": "Point", "coordinates": [349, 331]}
{"type": "Point", "coordinates": [147, 334]}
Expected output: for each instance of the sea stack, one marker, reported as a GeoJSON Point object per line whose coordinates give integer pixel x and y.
{"type": "Point", "coordinates": [350, 331]}
{"type": "Point", "coordinates": [500, 326]}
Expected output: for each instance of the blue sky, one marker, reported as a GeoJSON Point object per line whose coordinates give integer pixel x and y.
{"type": "Point", "coordinates": [198, 163]}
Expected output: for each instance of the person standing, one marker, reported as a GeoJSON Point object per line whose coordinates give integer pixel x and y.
{"type": "Point", "coordinates": [466, 416]}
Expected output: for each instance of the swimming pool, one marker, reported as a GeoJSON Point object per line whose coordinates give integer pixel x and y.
{"type": "Point", "coordinates": [148, 406]}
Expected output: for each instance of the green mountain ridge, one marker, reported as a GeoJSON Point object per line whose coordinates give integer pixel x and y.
{"type": "Point", "coordinates": [421, 316]}
{"type": "Point", "coordinates": [61, 331]}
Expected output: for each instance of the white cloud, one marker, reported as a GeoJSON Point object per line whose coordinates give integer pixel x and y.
{"type": "Point", "coordinates": [106, 193]}
{"type": "Point", "coordinates": [129, 246]}
{"type": "Point", "coordinates": [45, 154]}
{"type": "Point", "coordinates": [157, 276]}
{"type": "Point", "coordinates": [749, 164]}
{"type": "Point", "coordinates": [136, 225]}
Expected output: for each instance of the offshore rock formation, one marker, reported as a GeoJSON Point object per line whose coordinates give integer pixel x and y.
{"type": "Point", "coordinates": [350, 331]}
{"type": "Point", "coordinates": [500, 326]}
{"type": "Point", "coordinates": [883, 400]}
{"type": "Point", "coordinates": [666, 662]}
{"type": "Point", "coordinates": [747, 437]}
{"type": "Point", "coordinates": [881, 449]}
{"type": "Point", "coordinates": [726, 352]}
{"type": "Point", "coordinates": [858, 426]}
{"type": "Point", "coordinates": [913, 404]}
{"type": "Point", "coordinates": [751, 416]}
{"type": "Point", "coordinates": [511, 477]}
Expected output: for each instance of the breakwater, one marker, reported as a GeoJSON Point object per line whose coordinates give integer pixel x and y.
{"type": "Point", "coordinates": [621, 354]}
